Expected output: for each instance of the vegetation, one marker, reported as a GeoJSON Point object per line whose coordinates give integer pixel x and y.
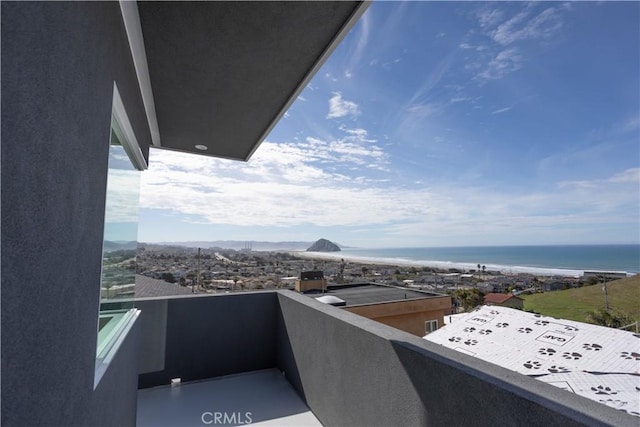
{"type": "Point", "coordinates": [118, 268]}
{"type": "Point", "coordinates": [468, 298]}
{"type": "Point", "coordinates": [576, 304]}
{"type": "Point", "coordinates": [610, 318]}
{"type": "Point", "coordinates": [168, 277]}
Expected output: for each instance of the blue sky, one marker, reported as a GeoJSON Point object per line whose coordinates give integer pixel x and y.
{"type": "Point", "coordinates": [436, 124]}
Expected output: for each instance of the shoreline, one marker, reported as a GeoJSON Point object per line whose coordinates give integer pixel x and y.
{"type": "Point", "coordinates": [442, 265]}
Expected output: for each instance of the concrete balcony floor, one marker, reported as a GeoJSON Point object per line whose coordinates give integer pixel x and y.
{"type": "Point", "coordinates": [263, 398]}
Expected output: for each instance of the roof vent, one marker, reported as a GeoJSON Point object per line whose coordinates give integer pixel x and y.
{"type": "Point", "coordinates": [331, 300]}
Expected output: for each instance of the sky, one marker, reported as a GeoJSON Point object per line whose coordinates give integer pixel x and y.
{"type": "Point", "coordinates": [436, 124]}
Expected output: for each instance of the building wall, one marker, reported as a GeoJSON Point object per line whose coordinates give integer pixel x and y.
{"type": "Point", "coordinates": [59, 62]}
{"type": "Point", "coordinates": [413, 323]}
{"type": "Point", "coordinates": [409, 315]}
{"type": "Point", "coordinates": [310, 285]}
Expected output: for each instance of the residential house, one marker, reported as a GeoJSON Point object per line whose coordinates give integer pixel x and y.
{"type": "Point", "coordinates": [504, 300]}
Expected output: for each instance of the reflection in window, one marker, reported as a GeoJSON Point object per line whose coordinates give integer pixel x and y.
{"type": "Point", "coordinates": [121, 223]}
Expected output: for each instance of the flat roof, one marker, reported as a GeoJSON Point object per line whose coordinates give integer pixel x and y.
{"type": "Point", "coordinates": [370, 293]}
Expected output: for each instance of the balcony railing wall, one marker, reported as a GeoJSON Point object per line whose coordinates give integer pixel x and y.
{"type": "Point", "coordinates": [348, 369]}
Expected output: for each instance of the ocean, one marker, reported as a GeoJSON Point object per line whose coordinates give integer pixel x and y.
{"type": "Point", "coordinates": [570, 260]}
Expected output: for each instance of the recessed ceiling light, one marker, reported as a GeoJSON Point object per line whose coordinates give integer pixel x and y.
{"type": "Point", "coordinates": [202, 147]}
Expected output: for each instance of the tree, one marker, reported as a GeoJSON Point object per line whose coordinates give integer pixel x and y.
{"type": "Point", "coordinates": [168, 277]}
{"type": "Point", "coordinates": [592, 281]}
{"type": "Point", "coordinates": [468, 298]}
{"type": "Point", "coordinates": [484, 267]}
{"type": "Point", "coordinates": [364, 271]}
{"type": "Point", "coordinates": [609, 318]}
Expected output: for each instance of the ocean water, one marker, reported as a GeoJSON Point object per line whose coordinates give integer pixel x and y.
{"type": "Point", "coordinates": [565, 259]}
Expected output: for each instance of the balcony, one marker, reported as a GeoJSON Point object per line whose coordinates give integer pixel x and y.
{"type": "Point", "coordinates": [289, 360]}
{"type": "Point", "coordinates": [262, 398]}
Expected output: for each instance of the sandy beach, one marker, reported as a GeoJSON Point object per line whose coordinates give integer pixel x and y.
{"type": "Point", "coordinates": [443, 266]}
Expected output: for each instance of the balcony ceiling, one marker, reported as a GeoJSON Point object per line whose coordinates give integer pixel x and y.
{"type": "Point", "coordinates": [223, 73]}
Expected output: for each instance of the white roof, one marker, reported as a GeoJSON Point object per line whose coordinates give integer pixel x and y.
{"type": "Point", "coordinates": [601, 364]}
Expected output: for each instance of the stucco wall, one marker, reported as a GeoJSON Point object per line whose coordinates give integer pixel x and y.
{"type": "Point", "coordinates": [409, 315]}
{"type": "Point", "coordinates": [59, 62]}
{"type": "Point", "coordinates": [413, 323]}
{"type": "Point", "coordinates": [210, 336]}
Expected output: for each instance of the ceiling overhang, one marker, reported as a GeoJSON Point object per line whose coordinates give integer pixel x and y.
{"type": "Point", "coordinates": [222, 74]}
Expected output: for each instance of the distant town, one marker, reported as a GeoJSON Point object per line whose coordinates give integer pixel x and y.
{"type": "Point", "coordinates": [212, 270]}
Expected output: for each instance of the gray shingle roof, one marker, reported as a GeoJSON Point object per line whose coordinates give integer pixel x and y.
{"type": "Point", "coordinates": [148, 287]}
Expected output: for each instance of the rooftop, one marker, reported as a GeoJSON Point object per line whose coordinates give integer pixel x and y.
{"type": "Point", "coordinates": [149, 287]}
{"type": "Point", "coordinates": [368, 293]}
{"type": "Point", "coordinates": [498, 298]}
{"type": "Point", "coordinates": [601, 364]}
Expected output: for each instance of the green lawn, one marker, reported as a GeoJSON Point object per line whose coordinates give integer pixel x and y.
{"type": "Point", "coordinates": [573, 304]}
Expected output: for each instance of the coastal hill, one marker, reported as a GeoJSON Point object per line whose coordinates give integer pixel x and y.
{"type": "Point", "coordinates": [324, 245]}
{"type": "Point", "coordinates": [573, 304]}
{"type": "Point", "coordinates": [110, 246]}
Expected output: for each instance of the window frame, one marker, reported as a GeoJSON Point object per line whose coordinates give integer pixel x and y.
{"type": "Point", "coordinates": [428, 326]}
{"type": "Point", "coordinates": [112, 334]}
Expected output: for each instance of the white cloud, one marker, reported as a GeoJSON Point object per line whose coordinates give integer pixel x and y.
{"type": "Point", "coordinates": [122, 195]}
{"type": "Point", "coordinates": [330, 77]}
{"type": "Point", "coordinates": [283, 184]}
{"type": "Point", "coordinates": [501, 110]}
{"type": "Point", "coordinates": [358, 133]}
{"type": "Point", "coordinates": [312, 184]}
{"type": "Point", "coordinates": [628, 176]}
{"type": "Point", "coordinates": [424, 110]}
{"type": "Point", "coordinates": [356, 52]}
{"type": "Point", "coordinates": [432, 79]}
{"type": "Point", "coordinates": [478, 48]}
{"type": "Point", "coordinates": [339, 107]}
{"type": "Point", "coordinates": [631, 125]}
{"type": "Point", "coordinates": [487, 17]}
{"type": "Point", "coordinates": [543, 26]}
{"type": "Point", "coordinates": [504, 63]}
{"type": "Point", "coordinates": [387, 65]}
{"type": "Point", "coordinates": [457, 99]}
{"type": "Point", "coordinates": [510, 38]}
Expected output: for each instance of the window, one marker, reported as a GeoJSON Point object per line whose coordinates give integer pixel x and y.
{"type": "Point", "coordinates": [120, 244]}
{"type": "Point", "coordinates": [430, 326]}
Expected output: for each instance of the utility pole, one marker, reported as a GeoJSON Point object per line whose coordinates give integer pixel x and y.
{"type": "Point", "coordinates": [198, 271]}
{"type": "Point", "coordinates": [606, 294]}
